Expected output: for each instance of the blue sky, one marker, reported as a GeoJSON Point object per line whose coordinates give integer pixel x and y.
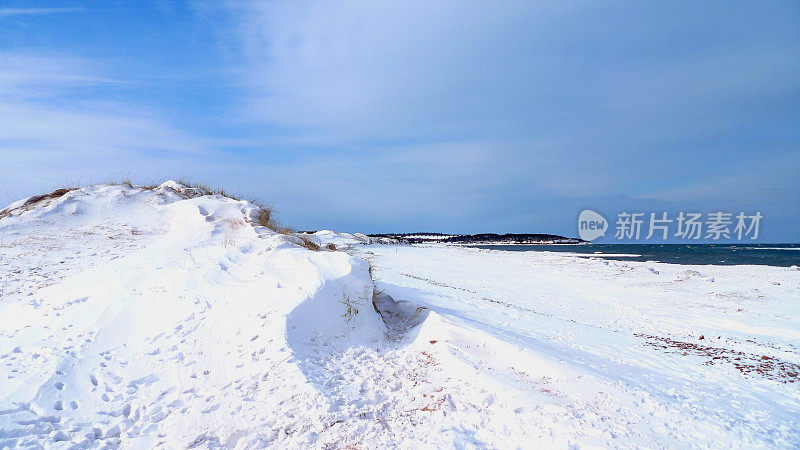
{"type": "Point", "coordinates": [414, 115]}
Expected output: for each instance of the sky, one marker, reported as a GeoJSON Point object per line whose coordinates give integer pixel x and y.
{"type": "Point", "coordinates": [449, 116]}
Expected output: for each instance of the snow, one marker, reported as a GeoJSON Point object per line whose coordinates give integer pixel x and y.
{"type": "Point", "coordinates": [619, 353]}
{"type": "Point", "coordinates": [166, 317]}
{"type": "Point", "coordinates": [431, 237]}
{"type": "Point", "coordinates": [139, 317]}
{"type": "Point", "coordinates": [337, 240]}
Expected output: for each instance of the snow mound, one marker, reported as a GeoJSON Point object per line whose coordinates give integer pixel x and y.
{"type": "Point", "coordinates": [335, 240]}
{"type": "Point", "coordinates": [147, 316]}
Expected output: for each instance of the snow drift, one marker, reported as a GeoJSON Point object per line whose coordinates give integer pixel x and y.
{"type": "Point", "coordinates": [143, 316]}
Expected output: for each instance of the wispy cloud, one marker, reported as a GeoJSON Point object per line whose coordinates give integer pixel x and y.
{"type": "Point", "coordinates": [6, 12]}
{"type": "Point", "coordinates": [58, 124]}
{"type": "Point", "coordinates": [31, 73]}
{"type": "Point", "coordinates": [350, 71]}
{"type": "Point", "coordinates": [52, 101]}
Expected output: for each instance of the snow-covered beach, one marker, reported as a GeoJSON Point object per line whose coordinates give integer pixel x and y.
{"type": "Point", "coordinates": [160, 318]}
{"type": "Point", "coordinates": [620, 353]}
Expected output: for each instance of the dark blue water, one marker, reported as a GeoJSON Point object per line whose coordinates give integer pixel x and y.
{"type": "Point", "coordinates": [723, 254]}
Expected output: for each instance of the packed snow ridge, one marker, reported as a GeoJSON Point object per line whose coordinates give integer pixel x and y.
{"type": "Point", "coordinates": [169, 317]}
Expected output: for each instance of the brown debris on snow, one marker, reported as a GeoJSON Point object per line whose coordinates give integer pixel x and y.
{"type": "Point", "coordinates": [748, 364]}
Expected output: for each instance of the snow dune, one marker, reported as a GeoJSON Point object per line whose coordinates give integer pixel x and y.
{"type": "Point", "coordinates": [145, 317]}
{"type": "Point", "coordinates": [167, 318]}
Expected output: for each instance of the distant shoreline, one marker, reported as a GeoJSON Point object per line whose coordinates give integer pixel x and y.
{"type": "Point", "coordinates": [483, 238]}
{"type": "Point", "coordinates": [513, 243]}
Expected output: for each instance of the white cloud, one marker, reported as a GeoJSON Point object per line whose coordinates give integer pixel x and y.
{"type": "Point", "coordinates": [48, 100]}
{"type": "Point", "coordinates": [6, 12]}
{"type": "Point", "coordinates": [30, 73]}
{"type": "Point", "coordinates": [355, 70]}
{"type": "Point", "coordinates": [94, 129]}
{"type": "Point", "coordinates": [56, 122]}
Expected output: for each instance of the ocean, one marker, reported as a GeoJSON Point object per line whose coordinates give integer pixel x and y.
{"type": "Point", "coordinates": [784, 255]}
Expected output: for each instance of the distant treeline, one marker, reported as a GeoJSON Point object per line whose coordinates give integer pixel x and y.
{"type": "Point", "coordinates": [510, 238]}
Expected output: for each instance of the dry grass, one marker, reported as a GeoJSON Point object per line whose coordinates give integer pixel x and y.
{"type": "Point", "coordinates": [309, 244]}
{"type": "Point", "coordinates": [205, 189]}
{"type": "Point", "coordinates": [285, 230]}
{"type": "Point", "coordinates": [127, 182]}
{"type": "Point", "coordinates": [264, 217]}
{"type": "Point", "coordinates": [195, 189]}
{"type": "Point", "coordinates": [305, 241]}
{"type": "Point", "coordinates": [37, 200]}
